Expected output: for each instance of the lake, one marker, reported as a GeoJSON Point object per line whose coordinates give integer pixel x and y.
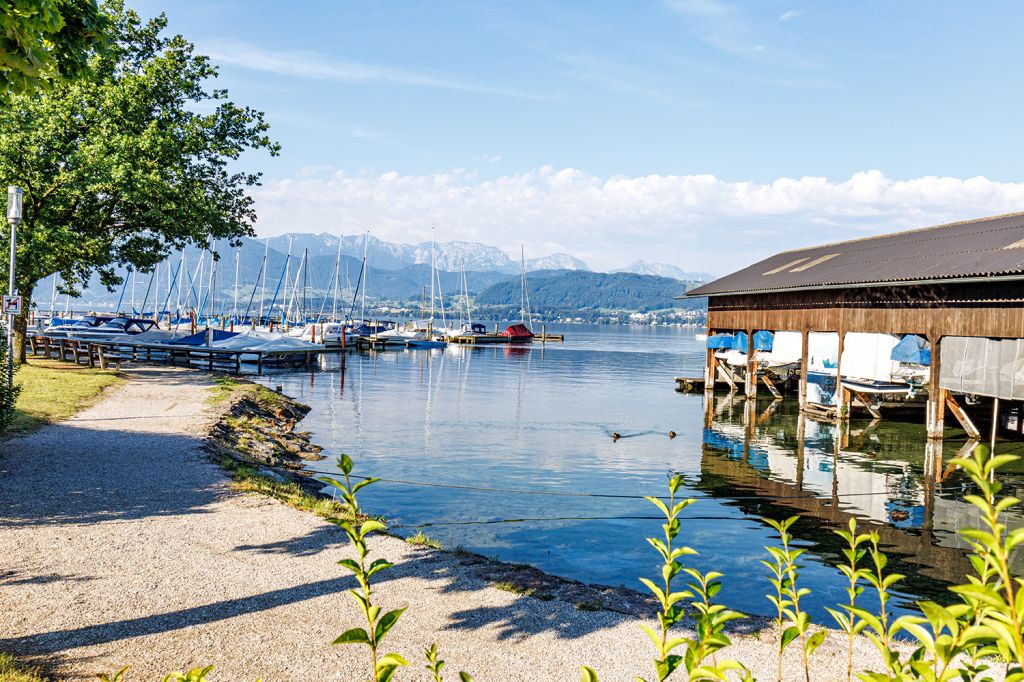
{"type": "Point", "coordinates": [515, 446]}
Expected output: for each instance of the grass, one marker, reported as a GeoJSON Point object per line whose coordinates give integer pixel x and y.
{"type": "Point", "coordinates": [247, 479]}
{"type": "Point", "coordinates": [510, 587]}
{"type": "Point", "coordinates": [223, 388]}
{"type": "Point", "coordinates": [52, 390]}
{"type": "Point", "coordinates": [11, 670]}
{"type": "Point", "coordinates": [424, 540]}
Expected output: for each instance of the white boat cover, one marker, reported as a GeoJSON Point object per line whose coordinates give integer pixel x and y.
{"type": "Point", "coordinates": [869, 356]}
{"type": "Point", "coordinates": [786, 350]}
{"type": "Point", "coordinates": [266, 342]}
{"type": "Point", "coordinates": [822, 352]}
{"type": "Point", "coordinates": [989, 367]}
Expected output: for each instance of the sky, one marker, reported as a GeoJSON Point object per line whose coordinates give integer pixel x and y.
{"type": "Point", "coordinates": [703, 133]}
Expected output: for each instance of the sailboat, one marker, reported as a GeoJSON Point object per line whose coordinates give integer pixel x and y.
{"type": "Point", "coordinates": [521, 333]}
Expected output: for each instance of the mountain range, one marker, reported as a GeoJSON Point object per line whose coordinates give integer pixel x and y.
{"type": "Point", "coordinates": [396, 272]}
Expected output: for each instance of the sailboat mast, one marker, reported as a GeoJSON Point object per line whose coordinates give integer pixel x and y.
{"type": "Point", "coordinates": [337, 278]}
{"type": "Point", "coordinates": [433, 273]}
{"type": "Point", "coordinates": [263, 288]}
{"type": "Point", "coordinates": [465, 292]}
{"type": "Point", "coordinates": [305, 287]}
{"type": "Point", "coordinates": [234, 302]}
{"type": "Point", "coordinates": [53, 295]}
{"type": "Point", "coordinates": [366, 247]}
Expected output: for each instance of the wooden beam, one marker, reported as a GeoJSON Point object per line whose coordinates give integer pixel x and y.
{"type": "Point", "coordinates": [750, 380]}
{"type": "Point", "coordinates": [936, 410]}
{"type": "Point", "coordinates": [842, 395]}
{"type": "Point", "coordinates": [962, 417]}
{"type": "Point", "coordinates": [709, 365]}
{"type": "Point", "coordinates": [771, 387]}
{"type": "Point", "coordinates": [727, 375]}
{"type": "Point", "coordinates": [804, 334]}
{"type": "Point", "coordinates": [867, 405]}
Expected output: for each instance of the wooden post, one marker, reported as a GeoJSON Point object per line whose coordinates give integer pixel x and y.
{"type": "Point", "coordinates": [995, 426]}
{"type": "Point", "coordinates": [750, 383]}
{"type": "Point", "coordinates": [709, 366]}
{"type": "Point", "coordinates": [804, 344]}
{"type": "Point", "coordinates": [936, 410]}
{"type": "Point", "coordinates": [103, 360]}
{"type": "Point", "coordinates": [842, 395]}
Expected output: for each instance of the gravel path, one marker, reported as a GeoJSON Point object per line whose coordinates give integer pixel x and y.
{"type": "Point", "coordinates": [121, 544]}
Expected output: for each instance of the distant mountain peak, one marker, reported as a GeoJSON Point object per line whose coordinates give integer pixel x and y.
{"type": "Point", "coordinates": [642, 267]}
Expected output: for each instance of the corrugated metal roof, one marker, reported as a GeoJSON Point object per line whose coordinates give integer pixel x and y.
{"type": "Point", "coordinates": [973, 248]}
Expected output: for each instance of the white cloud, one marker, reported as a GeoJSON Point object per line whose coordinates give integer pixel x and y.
{"type": "Point", "coordinates": [789, 15]}
{"type": "Point", "coordinates": [315, 66]}
{"type": "Point", "coordinates": [698, 222]}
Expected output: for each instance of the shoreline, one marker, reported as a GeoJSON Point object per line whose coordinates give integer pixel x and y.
{"type": "Point", "coordinates": [167, 565]}
{"type": "Point", "coordinates": [254, 409]}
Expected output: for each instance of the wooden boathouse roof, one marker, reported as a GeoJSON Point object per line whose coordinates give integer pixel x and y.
{"type": "Point", "coordinates": [985, 249]}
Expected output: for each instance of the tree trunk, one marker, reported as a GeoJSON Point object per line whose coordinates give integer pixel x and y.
{"type": "Point", "coordinates": [21, 329]}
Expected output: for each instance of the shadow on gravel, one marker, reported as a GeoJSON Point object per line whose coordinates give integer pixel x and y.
{"type": "Point", "coordinates": [70, 474]}
{"type": "Point", "coordinates": [91, 635]}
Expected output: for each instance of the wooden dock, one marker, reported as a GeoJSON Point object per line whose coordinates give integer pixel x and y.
{"type": "Point", "coordinates": [104, 354]}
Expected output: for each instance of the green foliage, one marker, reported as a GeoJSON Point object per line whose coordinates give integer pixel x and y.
{"type": "Point", "coordinates": [383, 666]}
{"type": "Point", "coordinates": [994, 597]}
{"type": "Point", "coordinates": [8, 393]}
{"type": "Point", "coordinates": [846, 616]}
{"type": "Point", "coordinates": [574, 289]}
{"type": "Point", "coordinates": [13, 670]}
{"type": "Point", "coordinates": [435, 666]}
{"type": "Point", "coordinates": [116, 677]}
{"type": "Point", "coordinates": [193, 675]}
{"type": "Point", "coordinates": [790, 621]}
{"type": "Point", "coordinates": [423, 540]}
{"type": "Point", "coordinates": [698, 657]}
{"type": "Point", "coordinates": [121, 168]}
{"type": "Point", "coordinates": [43, 41]}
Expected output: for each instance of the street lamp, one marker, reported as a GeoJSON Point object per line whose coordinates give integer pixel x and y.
{"type": "Point", "coordinates": [13, 217]}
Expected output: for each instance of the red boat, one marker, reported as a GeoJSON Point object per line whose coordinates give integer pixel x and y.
{"type": "Point", "coordinates": [518, 333]}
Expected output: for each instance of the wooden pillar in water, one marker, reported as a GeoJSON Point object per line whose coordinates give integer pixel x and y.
{"type": "Point", "coordinates": [805, 338]}
{"type": "Point", "coordinates": [709, 367]}
{"type": "Point", "coordinates": [936, 409]}
{"type": "Point", "coordinates": [751, 379]}
{"type": "Point", "coordinates": [842, 395]}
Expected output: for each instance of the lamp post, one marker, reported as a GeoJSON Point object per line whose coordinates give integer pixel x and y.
{"type": "Point", "coordinates": [13, 217]}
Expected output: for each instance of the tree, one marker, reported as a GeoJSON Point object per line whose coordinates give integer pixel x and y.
{"type": "Point", "coordinates": [42, 41]}
{"type": "Point", "coordinates": [121, 168]}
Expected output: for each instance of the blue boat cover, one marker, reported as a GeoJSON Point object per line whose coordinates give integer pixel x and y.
{"type": "Point", "coordinates": [720, 341]}
{"type": "Point", "coordinates": [199, 338]}
{"type": "Point", "coordinates": [913, 349]}
{"type": "Point", "coordinates": [762, 341]}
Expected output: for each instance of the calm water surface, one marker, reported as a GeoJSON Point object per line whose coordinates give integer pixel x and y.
{"type": "Point", "coordinates": [541, 418]}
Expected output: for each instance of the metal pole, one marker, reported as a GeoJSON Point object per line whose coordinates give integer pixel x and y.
{"type": "Point", "coordinates": [10, 317]}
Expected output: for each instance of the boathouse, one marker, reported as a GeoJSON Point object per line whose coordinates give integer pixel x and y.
{"type": "Point", "coordinates": [952, 296]}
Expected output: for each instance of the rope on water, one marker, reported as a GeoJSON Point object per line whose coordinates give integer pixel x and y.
{"type": "Point", "coordinates": [558, 493]}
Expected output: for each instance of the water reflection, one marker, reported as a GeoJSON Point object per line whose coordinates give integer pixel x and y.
{"type": "Point", "coordinates": [489, 421]}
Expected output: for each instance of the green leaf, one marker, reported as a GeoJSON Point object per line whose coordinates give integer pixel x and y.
{"type": "Point", "coordinates": [589, 675]}
{"type": "Point", "coordinates": [465, 677]}
{"type": "Point", "coordinates": [386, 622]}
{"type": "Point", "coordinates": [788, 635]}
{"type": "Point", "coordinates": [353, 636]}
{"type": "Point", "coordinates": [345, 464]}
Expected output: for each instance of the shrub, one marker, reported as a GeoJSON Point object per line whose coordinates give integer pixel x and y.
{"type": "Point", "coordinates": [8, 394]}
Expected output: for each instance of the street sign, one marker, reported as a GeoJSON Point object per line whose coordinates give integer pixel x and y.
{"type": "Point", "coordinates": [12, 305]}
